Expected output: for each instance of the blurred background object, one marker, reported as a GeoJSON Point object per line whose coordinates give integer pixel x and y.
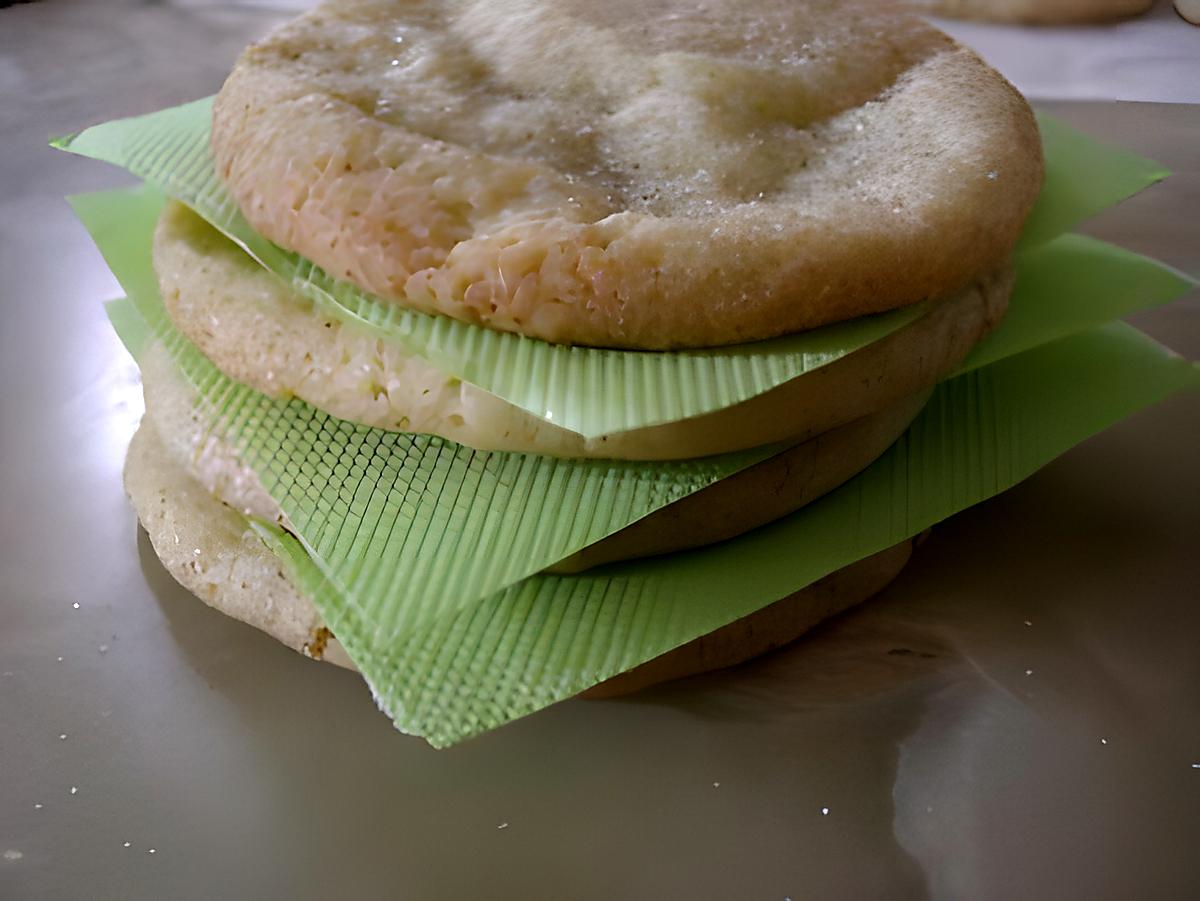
{"type": "Point", "coordinates": [1189, 9]}
{"type": "Point", "coordinates": [1151, 57]}
{"type": "Point", "coordinates": [1036, 12]}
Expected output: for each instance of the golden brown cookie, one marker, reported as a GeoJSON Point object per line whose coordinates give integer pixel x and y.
{"type": "Point", "coordinates": [210, 550]}
{"type": "Point", "coordinates": [629, 173]}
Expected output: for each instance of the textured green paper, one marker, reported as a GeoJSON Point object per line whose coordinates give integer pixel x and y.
{"type": "Point", "coordinates": [451, 670]}
{"type": "Point", "coordinates": [430, 525]}
{"type": "Point", "coordinates": [549, 637]}
{"type": "Point", "coordinates": [573, 387]}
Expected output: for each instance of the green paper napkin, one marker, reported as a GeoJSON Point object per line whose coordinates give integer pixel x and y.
{"type": "Point", "coordinates": [448, 663]}
{"type": "Point", "coordinates": [549, 637]}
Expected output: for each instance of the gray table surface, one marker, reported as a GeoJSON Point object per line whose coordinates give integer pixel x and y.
{"type": "Point", "coordinates": [1017, 716]}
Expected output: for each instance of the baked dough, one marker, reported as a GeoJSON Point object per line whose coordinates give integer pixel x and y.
{"type": "Point", "coordinates": [210, 550]}
{"type": "Point", "coordinates": [257, 331]}
{"type": "Point", "coordinates": [631, 173]}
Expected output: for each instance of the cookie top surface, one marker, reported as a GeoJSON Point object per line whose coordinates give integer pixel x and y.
{"type": "Point", "coordinates": [646, 175]}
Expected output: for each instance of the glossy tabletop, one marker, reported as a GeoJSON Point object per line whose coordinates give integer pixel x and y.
{"type": "Point", "coordinates": [1017, 716]}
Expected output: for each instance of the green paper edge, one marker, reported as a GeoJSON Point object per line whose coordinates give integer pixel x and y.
{"type": "Point", "coordinates": [1085, 177]}
{"type": "Point", "coordinates": [129, 325]}
{"type": "Point", "coordinates": [1070, 284]}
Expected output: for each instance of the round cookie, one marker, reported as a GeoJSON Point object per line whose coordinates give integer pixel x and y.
{"type": "Point", "coordinates": [1036, 12]}
{"type": "Point", "coordinates": [210, 550]}
{"type": "Point", "coordinates": [259, 332]}
{"type": "Point", "coordinates": [236, 574]}
{"type": "Point", "coordinates": [630, 174]}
